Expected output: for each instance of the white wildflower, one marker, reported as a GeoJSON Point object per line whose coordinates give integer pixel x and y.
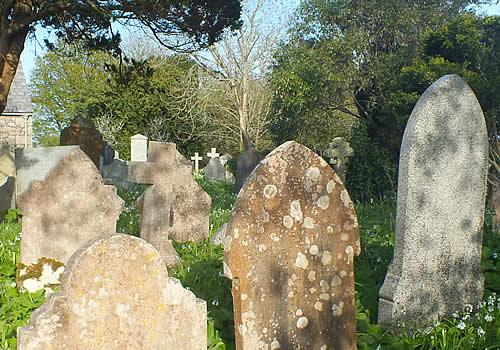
{"type": "Point", "coordinates": [461, 325]}
{"type": "Point", "coordinates": [480, 332]}
{"type": "Point", "coordinates": [488, 318]}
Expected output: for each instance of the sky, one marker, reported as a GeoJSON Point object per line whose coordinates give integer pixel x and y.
{"type": "Point", "coordinates": [35, 47]}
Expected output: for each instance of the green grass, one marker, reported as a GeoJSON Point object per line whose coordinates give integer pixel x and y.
{"type": "Point", "coordinates": [201, 272]}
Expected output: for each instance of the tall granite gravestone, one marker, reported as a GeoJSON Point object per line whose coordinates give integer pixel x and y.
{"type": "Point", "coordinates": [289, 249]}
{"type": "Point", "coordinates": [339, 151]}
{"type": "Point", "coordinates": [441, 197]}
{"type": "Point", "coordinates": [83, 133]}
{"type": "Point", "coordinates": [116, 294]}
{"type": "Point", "coordinates": [175, 206]}
{"type": "Point", "coordinates": [7, 179]}
{"type": "Point", "coordinates": [63, 202]}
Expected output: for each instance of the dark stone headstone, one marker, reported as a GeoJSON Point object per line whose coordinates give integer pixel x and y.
{"type": "Point", "coordinates": [245, 164]}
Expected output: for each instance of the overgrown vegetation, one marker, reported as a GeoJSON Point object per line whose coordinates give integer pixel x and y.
{"type": "Point", "coordinates": [474, 327]}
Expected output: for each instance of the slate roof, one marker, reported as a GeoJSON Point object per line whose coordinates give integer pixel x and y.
{"type": "Point", "coordinates": [19, 100]}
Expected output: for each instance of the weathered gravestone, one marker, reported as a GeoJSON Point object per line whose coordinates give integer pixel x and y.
{"type": "Point", "coordinates": [7, 179]}
{"type": "Point", "coordinates": [83, 133]}
{"type": "Point", "coordinates": [339, 151]}
{"type": "Point", "coordinates": [63, 202]}
{"type": "Point", "coordinates": [175, 206]}
{"type": "Point", "coordinates": [290, 249]}
{"type": "Point", "coordinates": [441, 196]}
{"type": "Point", "coordinates": [116, 294]}
{"type": "Point", "coordinates": [215, 170]}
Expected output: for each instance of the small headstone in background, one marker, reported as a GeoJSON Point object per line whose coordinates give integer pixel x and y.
{"type": "Point", "coordinates": [196, 159]}
{"type": "Point", "coordinates": [215, 170]}
{"type": "Point", "coordinates": [339, 151]}
{"type": "Point", "coordinates": [7, 179]}
{"type": "Point", "coordinates": [245, 164]}
{"type": "Point", "coordinates": [441, 197]}
{"type": "Point", "coordinates": [289, 249]}
{"type": "Point", "coordinates": [116, 294]}
{"type": "Point", "coordinates": [138, 148]}
{"type": "Point", "coordinates": [83, 133]}
{"type": "Point", "coordinates": [175, 206]}
{"type": "Point", "coordinates": [63, 203]}
{"type": "Point", "coordinates": [116, 173]}
{"type": "Point", "coordinates": [224, 160]}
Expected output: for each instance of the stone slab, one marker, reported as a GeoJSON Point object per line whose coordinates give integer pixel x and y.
{"type": "Point", "coordinates": [69, 206]}
{"type": "Point", "coordinates": [441, 197]}
{"type": "Point", "coordinates": [116, 294]}
{"type": "Point", "coordinates": [289, 249]}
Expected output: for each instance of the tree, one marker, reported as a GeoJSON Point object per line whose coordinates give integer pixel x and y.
{"type": "Point", "coordinates": [236, 71]}
{"type": "Point", "coordinates": [361, 47]}
{"type": "Point", "coordinates": [178, 24]}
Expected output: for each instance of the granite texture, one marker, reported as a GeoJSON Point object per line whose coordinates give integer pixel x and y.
{"type": "Point", "coordinates": [441, 197]}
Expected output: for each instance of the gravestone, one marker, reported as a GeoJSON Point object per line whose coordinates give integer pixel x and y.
{"type": "Point", "coordinates": [175, 206]}
{"type": "Point", "coordinates": [116, 294]}
{"type": "Point", "coordinates": [220, 235]}
{"type": "Point", "coordinates": [116, 173]}
{"type": "Point", "coordinates": [289, 249]}
{"type": "Point", "coordinates": [63, 203]}
{"type": "Point", "coordinates": [7, 179]}
{"type": "Point", "coordinates": [245, 164]}
{"type": "Point", "coordinates": [441, 197]}
{"type": "Point", "coordinates": [339, 151]}
{"type": "Point", "coordinates": [138, 148]}
{"type": "Point", "coordinates": [215, 170]}
{"type": "Point", "coordinates": [228, 175]}
{"type": "Point", "coordinates": [83, 133]}
{"type": "Point", "coordinates": [196, 159]}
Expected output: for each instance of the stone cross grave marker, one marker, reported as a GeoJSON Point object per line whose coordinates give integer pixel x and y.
{"type": "Point", "coordinates": [196, 160]}
{"type": "Point", "coordinates": [289, 249]}
{"type": "Point", "coordinates": [138, 148]}
{"type": "Point", "coordinates": [213, 153]}
{"type": "Point", "coordinates": [63, 202]}
{"type": "Point", "coordinates": [441, 196]}
{"type": "Point", "coordinates": [339, 151]}
{"type": "Point", "coordinates": [116, 294]}
{"type": "Point", "coordinates": [175, 206]}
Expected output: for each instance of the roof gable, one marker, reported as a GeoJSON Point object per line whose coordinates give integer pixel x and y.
{"type": "Point", "coordinates": [19, 99]}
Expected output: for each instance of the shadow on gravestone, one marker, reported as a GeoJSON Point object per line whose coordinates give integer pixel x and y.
{"type": "Point", "coordinates": [289, 249]}
{"type": "Point", "coordinates": [441, 197]}
{"type": "Point", "coordinates": [63, 203]}
{"type": "Point", "coordinates": [116, 294]}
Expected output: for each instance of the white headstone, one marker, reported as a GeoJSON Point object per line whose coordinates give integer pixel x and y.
{"type": "Point", "coordinates": [213, 153]}
{"type": "Point", "coordinates": [196, 160]}
{"type": "Point", "coordinates": [138, 148]}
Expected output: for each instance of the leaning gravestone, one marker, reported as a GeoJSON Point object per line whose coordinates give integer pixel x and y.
{"type": "Point", "coordinates": [7, 179]}
{"type": "Point", "coordinates": [441, 197]}
{"type": "Point", "coordinates": [290, 249]}
{"type": "Point", "coordinates": [63, 202]}
{"type": "Point", "coordinates": [116, 294]}
{"type": "Point", "coordinates": [175, 206]}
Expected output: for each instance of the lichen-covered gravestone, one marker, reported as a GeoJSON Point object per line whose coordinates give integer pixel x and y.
{"type": "Point", "coordinates": [63, 203]}
{"type": "Point", "coordinates": [116, 294]}
{"type": "Point", "coordinates": [441, 196]}
{"type": "Point", "coordinates": [290, 249]}
{"type": "Point", "coordinates": [175, 207]}
{"type": "Point", "coordinates": [7, 179]}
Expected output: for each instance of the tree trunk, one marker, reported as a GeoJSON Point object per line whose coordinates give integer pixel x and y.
{"type": "Point", "coordinates": [11, 47]}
